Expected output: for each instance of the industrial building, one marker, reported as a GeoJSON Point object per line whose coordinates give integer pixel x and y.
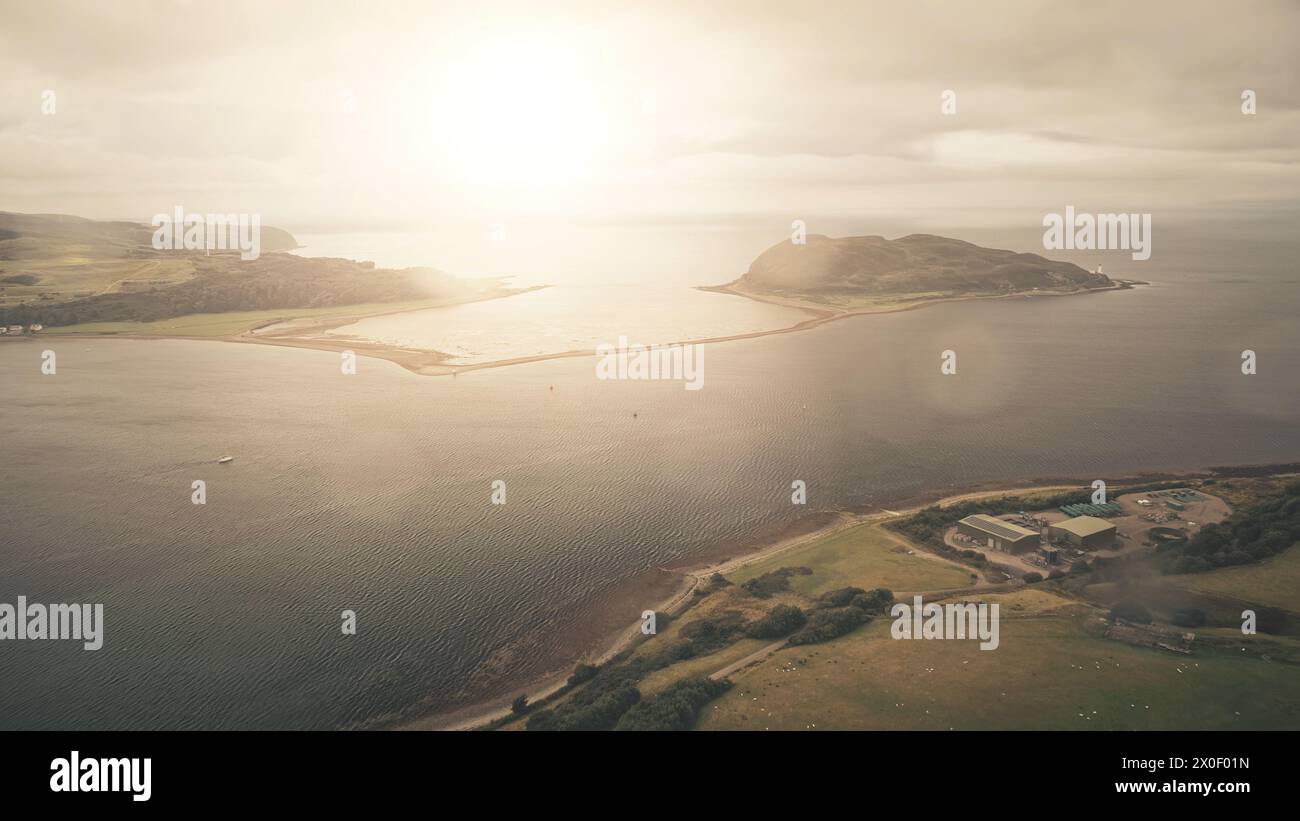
{"type": "Point", "coordinates": [1083, 532]}
{"type": "Point", "coordinates": [990, 531]}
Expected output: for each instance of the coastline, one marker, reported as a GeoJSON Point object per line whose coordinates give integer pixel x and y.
{"type": "Point", "coordinates": [414, 359]}
{"type": "Point", "coordinates": [426, 362]}
{"type": "Point", "coordinates": [759, 546]}
{"type": "Point", "coordinates": [734, 287]}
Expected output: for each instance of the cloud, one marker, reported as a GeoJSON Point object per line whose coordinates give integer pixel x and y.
{"type": "Point", "coordinates": [724, 108]}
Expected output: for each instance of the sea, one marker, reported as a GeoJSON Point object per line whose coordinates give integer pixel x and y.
{"type": "Point", "coordinates": [373, 492]}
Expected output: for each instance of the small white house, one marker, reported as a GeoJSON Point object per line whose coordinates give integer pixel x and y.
{"type": "Point", "coordinates": [36, 326]}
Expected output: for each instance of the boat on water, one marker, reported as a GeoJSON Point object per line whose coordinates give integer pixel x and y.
{"type": "Point", "coordinates": [224, 459]}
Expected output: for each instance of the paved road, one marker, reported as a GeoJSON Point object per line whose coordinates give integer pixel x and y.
{"type": "Point", "coordinates": [752, 658]}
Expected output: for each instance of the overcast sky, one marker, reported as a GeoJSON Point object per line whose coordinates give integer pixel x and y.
{"type": "Point", "coordinates": [330, 113]}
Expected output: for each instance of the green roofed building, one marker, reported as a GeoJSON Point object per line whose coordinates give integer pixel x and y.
{"type": "Point", "coordinates": [990, 531]}
{"type": "Point", "coordinates": [1084, 532]}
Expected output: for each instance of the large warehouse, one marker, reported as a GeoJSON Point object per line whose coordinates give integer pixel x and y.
{"type": "Point", "coordinates": [1084, 532]}
{"type": "Point", "coordinates": [998, 534]}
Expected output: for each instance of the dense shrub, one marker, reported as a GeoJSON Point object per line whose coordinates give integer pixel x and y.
{"type": "Point", "coordinates": [715, 583]}
{"type": "Point", "coordinates": [582, 673]}
{"type": "Point", "coordinates": [601, 713]}
{"type": "Point", "coordinates": [676, 708]}
{"type": "Point", "coordinates": [874, 601]}
{"type": "Point", "coordinates": [704, 635]}
{"type": "Point", "coordinates": [824, 625]}
{"type": "Point", "coordinates": [781, 620]}
{"type": "Point", "coordinates": [1249, 535]}
{"type": "Point", "coordinates": [839, 598]}
{"type": "Point", "coordinates": [1032, 577]}
{"type": "Point", "coordinates": [611, 690]}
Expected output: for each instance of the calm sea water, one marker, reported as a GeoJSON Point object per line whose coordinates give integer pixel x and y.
{"type": "Point", "coordinates": [572, 318]}
{"type": "Point", "coordinates": [371, 492]}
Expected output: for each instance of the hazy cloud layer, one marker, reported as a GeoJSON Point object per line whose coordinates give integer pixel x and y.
{"type": "Point", "coordinates": [366, 113]}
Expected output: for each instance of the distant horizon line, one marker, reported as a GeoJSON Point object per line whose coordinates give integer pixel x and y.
{"type": "Point", "coordinates": [737, 220]}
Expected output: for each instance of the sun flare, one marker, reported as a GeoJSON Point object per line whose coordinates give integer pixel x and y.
{"type": "Point", "coordinates": [511, 110]}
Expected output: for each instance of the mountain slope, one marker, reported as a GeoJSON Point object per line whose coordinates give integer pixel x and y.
{"type": "Point", "coordinates": [61, 270]}
{"type": "Point", "coordinates": [42, 236]}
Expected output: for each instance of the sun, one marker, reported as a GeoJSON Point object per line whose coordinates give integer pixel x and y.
{"type": "Point", "coordinates": [515, 109]}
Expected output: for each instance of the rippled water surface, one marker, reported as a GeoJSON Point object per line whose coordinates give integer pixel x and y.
{"type": "Point", "coordinates": [371, 492]}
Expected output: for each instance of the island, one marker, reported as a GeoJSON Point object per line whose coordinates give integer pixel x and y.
{"type": "Point", "coordinates": [838, 276]}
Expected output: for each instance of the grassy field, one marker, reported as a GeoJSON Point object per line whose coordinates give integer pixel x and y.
{"type": "Point", "coordinates": [1274, 582]}
{"type": "Point", "coordinates": [1052, 670]}
{"type": "Point", "coordinates": [864, 556]}
{"type": "Point", "coordinates": [69, 277]}
{"type": "Point", "coordinates": [236, 322]}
